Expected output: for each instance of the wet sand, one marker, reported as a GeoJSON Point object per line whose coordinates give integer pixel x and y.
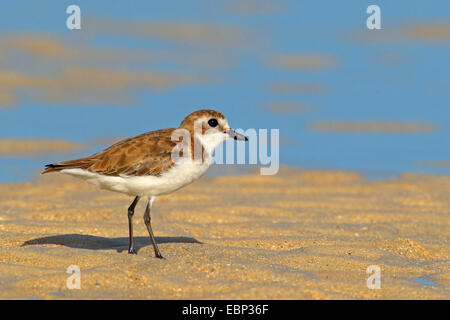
{"type": "Point", "coordinates": [296, 235]}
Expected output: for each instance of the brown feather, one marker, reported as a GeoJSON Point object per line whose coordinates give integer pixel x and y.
{"type": "Point", "coordinates": [145, 154]}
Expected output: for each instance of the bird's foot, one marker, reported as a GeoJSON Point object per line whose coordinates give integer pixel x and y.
{"type": "Point", "coordinates": [132, 251]}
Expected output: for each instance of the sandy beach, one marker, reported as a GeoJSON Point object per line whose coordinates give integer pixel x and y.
{"type": "Point", "coordinates": [295, 235]}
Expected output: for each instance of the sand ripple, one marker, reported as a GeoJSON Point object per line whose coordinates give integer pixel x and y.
{"type": "Point", "coordinates": [297, 235]}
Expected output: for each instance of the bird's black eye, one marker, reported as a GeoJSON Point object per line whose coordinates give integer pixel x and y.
{"type": "Point", "coordinates": [213, 122]}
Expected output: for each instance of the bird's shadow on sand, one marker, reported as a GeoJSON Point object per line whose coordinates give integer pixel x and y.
{"type": "Point", "coordinates": [82, 241]}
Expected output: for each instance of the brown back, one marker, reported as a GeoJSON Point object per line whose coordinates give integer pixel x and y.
{"type": "Point", "coordinates": [146, 154]}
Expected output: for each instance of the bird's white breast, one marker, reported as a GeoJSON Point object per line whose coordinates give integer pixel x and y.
{"type": "Point", "coordinates": [182, 173]}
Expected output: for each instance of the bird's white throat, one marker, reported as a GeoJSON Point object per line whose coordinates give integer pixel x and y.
{"type": "Point", "coordinates": [211, 140]}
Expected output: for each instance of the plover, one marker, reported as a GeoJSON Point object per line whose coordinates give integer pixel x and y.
{"type": "Point", "coordinates": [144, 165]}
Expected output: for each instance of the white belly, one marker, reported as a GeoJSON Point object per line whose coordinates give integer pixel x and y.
{"type": "Point", "coordinates": [175, 178]}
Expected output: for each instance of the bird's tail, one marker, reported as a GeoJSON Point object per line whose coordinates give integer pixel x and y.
{"type": "Point", "coordinates": [82, 163]}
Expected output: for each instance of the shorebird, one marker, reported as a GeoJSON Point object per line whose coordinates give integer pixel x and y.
{"type": "Point", "coordinates": [144, 165]}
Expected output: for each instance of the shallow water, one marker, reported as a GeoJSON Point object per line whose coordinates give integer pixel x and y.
{"type": "Point", "coordinates": [401, 77]}
{"type": "Point", "coordinates": [425, 281]}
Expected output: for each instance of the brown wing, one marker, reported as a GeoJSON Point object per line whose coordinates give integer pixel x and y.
{"type": "Point", "coordinates": [146, 154]}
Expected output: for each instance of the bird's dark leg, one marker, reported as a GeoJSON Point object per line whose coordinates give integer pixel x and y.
{"type": "Point", "coordinates": [130, 223]}
{"type": "Point", "coordinates": [149, 227]}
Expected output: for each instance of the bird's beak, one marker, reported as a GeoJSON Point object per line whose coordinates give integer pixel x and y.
{"type": "Point", "coordinates": [236, 136]}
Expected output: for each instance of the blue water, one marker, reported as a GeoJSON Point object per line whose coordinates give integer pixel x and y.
{"type": "Point", "coordinates": [425, 281]}
{"type": "Point", "coordinates": [414, 89]}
